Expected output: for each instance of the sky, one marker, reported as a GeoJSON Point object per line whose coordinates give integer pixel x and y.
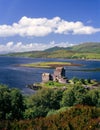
{"type": "Point", "coordinates": [28, 25]}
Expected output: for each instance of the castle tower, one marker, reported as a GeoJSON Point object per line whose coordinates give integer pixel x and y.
{"type": "Point", "coordinates": [59, 72]}
{"type": "Point", "coordinates": [46, 77]}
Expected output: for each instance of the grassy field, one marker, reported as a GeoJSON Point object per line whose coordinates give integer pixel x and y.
{"type": "Point", "coordinates": [53, 84]}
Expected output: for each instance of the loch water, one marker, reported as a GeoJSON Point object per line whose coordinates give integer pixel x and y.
{"type": "Point", "coordinates": [15, 76]}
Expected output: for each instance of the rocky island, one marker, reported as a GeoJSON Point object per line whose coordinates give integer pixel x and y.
{"type": "Point", "coordinates": [49, 64]}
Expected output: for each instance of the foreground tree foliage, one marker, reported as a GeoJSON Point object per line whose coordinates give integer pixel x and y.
{"type": "Point", "coordinates": [11, 103]}
{"type": "Point", "coordinates": [42, 102]}
{"type": "Point", "coordinates": [73, 96]}
{"type": "Point", "coordinates": [76, 118]}
{"type": "Point", "coordinates": [76, 108]}
{"type": "Point", "coordinates": [93, 98]}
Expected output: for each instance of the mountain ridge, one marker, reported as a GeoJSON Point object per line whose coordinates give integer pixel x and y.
{"type": "Point", "coordinates": [89, 50]}
{"type": "Point", "coordinates": [83, 47]}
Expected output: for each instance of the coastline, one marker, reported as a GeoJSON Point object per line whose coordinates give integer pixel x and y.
{"type": "Point", "coordinates": [50, 58]}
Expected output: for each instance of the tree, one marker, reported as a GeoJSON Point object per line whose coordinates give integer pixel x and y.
{"type": "Point", "coordinates": [94, 97]}
{"type": "Point", "coordinates": [73, 96]}
{"type": "Point", "coordinates": [5, 101]}
{"type": "Point", "coordinates": [80, 94]}
{"type": "Point", "coordinates": [75, 80]}
{"type": "Point", "coordinates": [42, 102]}
{"type": "Point", "coordinates": [68, 98]}
{"type": "Point", "coordinates": [11, 103]}
{"type": "Point", "coordinates": [82, 81]}
{"type": "Point", "coordinates": [17, 104]}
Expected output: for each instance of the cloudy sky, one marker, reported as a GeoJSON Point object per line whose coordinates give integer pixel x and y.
{"type": "Point", "coordinates": [27, 25]}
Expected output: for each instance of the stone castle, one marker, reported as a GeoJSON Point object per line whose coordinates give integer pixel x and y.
{"type": "Point", "coordinates": [58, 76]}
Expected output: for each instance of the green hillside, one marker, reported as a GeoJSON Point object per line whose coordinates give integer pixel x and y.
{"type": "Point", "coordinates": [54, 49]}
{"type": "Point", "coordinates": [81, 51]}
{"type": "Point", "coordinates": [34, 54]}
{"type": "Point", "coordinates": [89, 47]}
{"type": "Point", "coordinates": [86, 47]}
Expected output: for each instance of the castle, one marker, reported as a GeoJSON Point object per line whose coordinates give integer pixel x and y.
{"type": "Point", "coordinates": [58, 76]}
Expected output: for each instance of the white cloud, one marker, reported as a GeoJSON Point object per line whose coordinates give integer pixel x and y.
{"type": "Point", "coordinates": [40, 27]}
{"type": "Point", "coordinates": [21, 47]}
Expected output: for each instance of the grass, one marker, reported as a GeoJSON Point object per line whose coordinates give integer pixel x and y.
{"type": "Point", "coordinates": [52, 84]}
{"type": "Point", "coordinates": [88, 83]}
{"type": "Point", "coordinates": [49, 84]}
{"type": "Point", "coordinates": [71, 83]}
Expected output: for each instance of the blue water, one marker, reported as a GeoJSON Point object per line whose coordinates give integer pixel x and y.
{"type": "Point", "coordinates": [19, 77]}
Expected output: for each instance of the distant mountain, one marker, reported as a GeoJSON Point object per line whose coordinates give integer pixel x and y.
{"type": "Point", "coordinates": [86, 47]}
{"type": "Point", "coordinates": [54, 49]}
{"type": "Point", "coordinates": [81, 51]}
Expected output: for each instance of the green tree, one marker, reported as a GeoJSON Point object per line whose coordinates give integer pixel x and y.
{"type": "Point", "coordinates": [5, 101]}
{"type": "Point", "coordinates": [82, 81]}
{"type": "Point", "coordinates": [73, 96]}
{"type": "Point", "coordinates": [42, 102]}
{"type": "Point", "coordinates": [68, 98]}
{"type": "Point", "coordinates": [94, 98]}
{"type": "Point", "coordinates": [75, 80]}
{"type": "Point", "coordinates": [80, 94]}
{"type": "Point", "coordinates": [11, 103]}
{"type": "Point", "coordinates": [17, 104]}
